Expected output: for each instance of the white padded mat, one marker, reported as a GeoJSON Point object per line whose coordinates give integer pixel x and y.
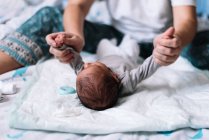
{"type": "Point", "coordinates": [174, 97]}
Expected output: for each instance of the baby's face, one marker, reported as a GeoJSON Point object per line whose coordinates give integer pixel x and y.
{"type": "Point", "coordinates": [97, 68]}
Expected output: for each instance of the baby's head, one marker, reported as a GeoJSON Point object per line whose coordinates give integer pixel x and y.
{"type": "Point", "coordinates": [97, 86]}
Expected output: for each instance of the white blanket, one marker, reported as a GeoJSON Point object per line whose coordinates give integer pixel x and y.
{"type": "Point", "coordinates": [174, 97]}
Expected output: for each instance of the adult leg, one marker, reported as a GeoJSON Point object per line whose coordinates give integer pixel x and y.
{"type": "Point", "coordinates": [198, 51]}
{"type": "Point", "coordinates": [27, 44]}
{"type": "Point", "coordinates": [7, 63]}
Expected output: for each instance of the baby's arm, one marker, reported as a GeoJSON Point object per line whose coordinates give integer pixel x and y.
{"type": "Point", "coordinates": [133, 77]}
{"type": "Point", "coordinates": [144, 71]}
{"type": "Point", "coordinates": [77, 61]}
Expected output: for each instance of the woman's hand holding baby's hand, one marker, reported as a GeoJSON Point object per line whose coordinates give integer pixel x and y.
{"type": "Point", "coordinates": [56, 40]}
{"type": "Point", "coordinates": [167, 47]}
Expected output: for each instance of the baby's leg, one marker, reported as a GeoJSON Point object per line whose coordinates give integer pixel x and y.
{"type": "Point", "coordinates": [107, 48]}
{"type": "Point", "coordinates": [27, 44]}
{"type": "Point", "coordinates": [130, 47]}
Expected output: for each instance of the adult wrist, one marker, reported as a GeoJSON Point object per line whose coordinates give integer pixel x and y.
{"type": "Point", "coordinates": [178, 37]}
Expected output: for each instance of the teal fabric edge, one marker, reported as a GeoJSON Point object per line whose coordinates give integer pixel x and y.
{"type": "Point", "coordinates": [12, 39]}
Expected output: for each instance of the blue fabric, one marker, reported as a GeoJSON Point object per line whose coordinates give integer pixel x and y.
{"type": "Point", "coordinates": [27, 44]}
{"type": "Point", "coordinates": [45, 21]}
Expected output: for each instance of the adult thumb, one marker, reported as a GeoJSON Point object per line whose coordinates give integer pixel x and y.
{"type": "Point", "coordinates": [169, 32]}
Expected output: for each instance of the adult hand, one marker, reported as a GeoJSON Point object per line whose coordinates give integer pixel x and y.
{"type": "Point", "coordinates": [56, 40]}
{"type": "Point", "coordinates": [167, 47]}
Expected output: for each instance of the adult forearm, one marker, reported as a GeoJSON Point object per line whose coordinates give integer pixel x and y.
{"type": "Point", "coordinates": [73, 19]}
{"type": "Point", "coordinates": [186, 30]}
{"type": "Point", "coordinates": [185, 23]}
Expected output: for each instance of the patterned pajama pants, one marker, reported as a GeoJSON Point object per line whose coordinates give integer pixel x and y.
{"type": "Point", "coordinates": [27, 44]}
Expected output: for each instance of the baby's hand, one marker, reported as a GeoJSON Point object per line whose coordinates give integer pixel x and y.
{"type": "Point", "coordinates": [59, 40]}
{"type": "Point", "coordinates": [56, 41]}
{"type": "Point", "coordinates": [50, 39]}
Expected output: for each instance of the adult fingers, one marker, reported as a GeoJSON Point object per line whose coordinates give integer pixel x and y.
{"type": "Point", "coordinates": [172, 43]}
{"type": "Point", "coordinates": [164, 59]}
{"type": "Point", "coordinates": [160, 62]}
{"type": "Point", "coordinates": [58, 53]}
{"type": "Point", "coordinates": [169, 32]}
{"type": "Point", "coordinates": [75, 42]}
{"type": "Point", "coordinates": [50, 39]}
{"type": "Point", "coordinates": [69, 41]}
{"type": "Point", "coordinates": [167, 51]}
{"type": "Point", "coordinates": [67, 58]}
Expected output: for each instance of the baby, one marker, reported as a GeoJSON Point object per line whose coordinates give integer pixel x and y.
{"type": "Point", "coordinates": [99, 84]}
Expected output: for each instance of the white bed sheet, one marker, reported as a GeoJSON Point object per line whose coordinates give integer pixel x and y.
{"type": "Point", "coordinates": [20, 76]}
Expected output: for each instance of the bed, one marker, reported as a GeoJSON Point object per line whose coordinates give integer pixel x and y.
{"type": "Point", "coordinates": [21, 77]}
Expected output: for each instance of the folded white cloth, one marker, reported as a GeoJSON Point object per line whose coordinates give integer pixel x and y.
{"type": "Point", "coordinates": [7, 88]}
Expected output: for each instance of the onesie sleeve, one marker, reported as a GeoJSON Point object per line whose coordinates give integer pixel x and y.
{"type": "Point", "coordinates": [77, 62]}
{"type": "Point", "coordinates": [132, 78]}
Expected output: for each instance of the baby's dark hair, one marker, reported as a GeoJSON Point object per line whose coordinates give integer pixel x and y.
{"type": "Point", "coordinates": [99, 95]}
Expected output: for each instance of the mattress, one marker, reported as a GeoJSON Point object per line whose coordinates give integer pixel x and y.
{"type": "Point", "coordinates": [21, 76]}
